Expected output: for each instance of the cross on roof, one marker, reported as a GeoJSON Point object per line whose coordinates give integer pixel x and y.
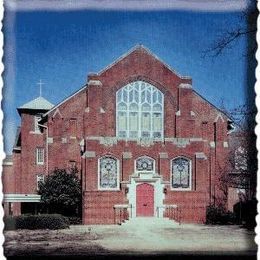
{"type": "Point", "coordinates": [40, 83]}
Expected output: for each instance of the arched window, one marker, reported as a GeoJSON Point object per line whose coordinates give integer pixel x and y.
{"type": "Point", "coordinates": [181, 173]}
{"type": "Point", "coordinates": [144, 164]}
{"type": "Point", "coordinates": [139, 108]}
{"type": "Point", "coordinates": [108, 173]}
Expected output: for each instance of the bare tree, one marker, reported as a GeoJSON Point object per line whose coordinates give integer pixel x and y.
{"type": "Point", "coordinates": [241, 171]}
{"type": "Point", "coordinates": [246, 28]}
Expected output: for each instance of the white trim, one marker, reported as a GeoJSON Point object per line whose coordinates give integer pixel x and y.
{"type": "Point", "coordinates": [118, 174]}
{"type": "Point", "coordinates": [190, 177]}
{"type": "Point", "coordinates": [95, 82]}
{"type": "Point", "coordinates": [178, 113]}
{"type": "Point", "coordinates": [12, 197]}
{"type": "Point", "coordinates": [212, 144]}
{"type": "Point", "coordinates": [166, 139]}
{"type": "Point", "coordinates": [121, 206]}
{"type": "Point", "coordinates": [159, 196]}
{"type": "Point", "coordinates": [185, 85]}
{"type": "Point", "coordinates": [57, 111]}
{"type": "Point", "coordinates": [50, 140]}
{"type": "Point", "coordinates": [35, 133]}
{"type": "Point", "coordinates": [7, 163]}
{"type": "Point", "coordinates": [219, 116]}
{"type": "Point", "coordinates": [200, 155]}
{"type": "Point", "coordinates": [225, 144]}
{"type": "Point", "coordinates": [38, 154]}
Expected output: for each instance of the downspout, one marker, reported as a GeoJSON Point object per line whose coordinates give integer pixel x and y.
{"type": "Point", "coordinates": [47, 136]}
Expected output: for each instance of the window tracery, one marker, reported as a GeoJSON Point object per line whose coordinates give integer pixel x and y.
{"type": "Point", "coordinates": [181, 173]}
{"type": "Point", "coordinates": [145, 163]}
{"type": "Point", "coordinates": [139, 111]}
{"type": "Point", "coordinates": [108, 173]}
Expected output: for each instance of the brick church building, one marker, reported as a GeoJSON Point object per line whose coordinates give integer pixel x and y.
{"type": "Point", "coordinates": [145, 142]}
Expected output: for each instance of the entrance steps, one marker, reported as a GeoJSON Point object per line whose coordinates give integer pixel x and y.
{"type": "Point", "coordinates": [150, 221]}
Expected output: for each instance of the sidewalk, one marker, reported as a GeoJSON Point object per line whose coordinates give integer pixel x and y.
{"type": "Point", "coordinates": [151, 235]}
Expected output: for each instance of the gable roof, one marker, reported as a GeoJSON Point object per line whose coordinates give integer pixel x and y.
{"type": "Point", "coordinates": [141, 48]}
{"type": "Point", "coordinates": [211, 104]}
{"type": "Point", "coordinates": [38, 103]}
{"type": "Point", "coordinates": [63, 101]}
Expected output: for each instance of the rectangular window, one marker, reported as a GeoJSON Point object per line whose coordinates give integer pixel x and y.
{"type": "Point", "coordinates": [146, 122]}
{"type": "Point", "coordinates": [39, 156]}
{"type": "Point", "coordinates": [204, 127]}
{"type": "Point", "coordinates": [122, 121]}
{"type": "Point", "coordinates": [36, 126]}
{"type": "Point", "coordinates": [157, 122]}
{"type": "Point", "coordinates": [108, 173]}
{"type": "Point", "coordinates": [181, 175]}
{"type": "Point", "coordinates": [133, 121]}
{"type": "Point", "coordinates": [39, 179]}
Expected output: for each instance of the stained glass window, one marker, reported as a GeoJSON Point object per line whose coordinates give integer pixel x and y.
{"type": "Point", "coordinates": [145, 163]}
{"type": "Point", "coordinates": [181, 173]}
{"type": "Point", "coordinates": [108, 173]}
{"type": "Point", "coordinates": [139, 111]}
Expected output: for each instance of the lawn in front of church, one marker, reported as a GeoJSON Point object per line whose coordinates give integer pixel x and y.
{"type": "Point", "coordinates": [145, 236]}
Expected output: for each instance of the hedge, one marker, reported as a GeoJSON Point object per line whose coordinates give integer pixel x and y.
{"type": "Point", "coordinates": [219, 216]}
{"type": "Point", "coordinates": [74, 220]}
{"type": "Point", "coordinates": [46, 221]}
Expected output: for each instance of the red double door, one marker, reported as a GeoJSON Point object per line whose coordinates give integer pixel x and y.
{"type": "Point", "coordinates": [144, 200]}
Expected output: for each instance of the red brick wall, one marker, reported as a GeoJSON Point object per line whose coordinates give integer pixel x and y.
{"type": "Point", "coordinates": [93, 112]}
{"type": "Point", "coordinates": [29, 142]}
{"type": "Point", "coordinates": [8, 179]}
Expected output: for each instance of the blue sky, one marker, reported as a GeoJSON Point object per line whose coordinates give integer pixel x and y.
{"type": "Point", "coordinates": [62, 47]}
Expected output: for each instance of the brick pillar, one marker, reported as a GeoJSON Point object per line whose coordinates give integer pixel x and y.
{"type": "Point", "coordinates": [94, 112]}
{"type": "Point", "coordinates": [185, 120]}
{"type": "Point", "coordinates": [164, 164]}
{"type": "Point", "coordinates": [221, 155]}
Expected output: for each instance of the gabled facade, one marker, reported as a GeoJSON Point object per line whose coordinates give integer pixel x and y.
{"type": "Point", "coordinates": [145, 142]}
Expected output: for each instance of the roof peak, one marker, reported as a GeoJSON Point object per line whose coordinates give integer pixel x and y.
{"type": "Point", "coordinates": [39, 103]}
{"type": "Point", "coordinates": [149, 52]}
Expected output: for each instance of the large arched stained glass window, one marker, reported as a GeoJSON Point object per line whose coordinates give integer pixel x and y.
{"type": "Point", "coordinates": [108, 173]}
{"type": "Point", "coordinates": [181, 173]}
{"type": "Point", "coordinates": [139, 111]}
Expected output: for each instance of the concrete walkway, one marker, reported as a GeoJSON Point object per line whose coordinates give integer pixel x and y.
{"type": "Point", "coordinates": [155, 235]}
{"type": "Point", "coordinates": [145, 236]}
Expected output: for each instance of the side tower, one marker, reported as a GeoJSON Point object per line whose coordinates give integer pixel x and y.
{"type": "Point", "coordinates": [27, 165]}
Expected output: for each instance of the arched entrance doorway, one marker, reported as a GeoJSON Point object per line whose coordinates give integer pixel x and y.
{"type": "Point", "coordinates": [144, 200]}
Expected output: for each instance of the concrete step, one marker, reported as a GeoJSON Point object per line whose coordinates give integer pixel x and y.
{"type": "Point", "coordinates": [150, 221]}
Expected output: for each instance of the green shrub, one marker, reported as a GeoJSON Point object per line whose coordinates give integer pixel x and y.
{"type": "Point", "coordinates": [10, 223]}
{"type": "Point", "coordinates": [47, 221]}
{"type": "Point", "coordinates": [246, 212]}
{"type": "Point", "coordinates": [218, 215]}
{"type": "Point", "coordinates": [74, 220]}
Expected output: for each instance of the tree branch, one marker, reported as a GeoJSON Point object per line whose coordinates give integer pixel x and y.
{"type": "Point", "coordinates": [226, 41]}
